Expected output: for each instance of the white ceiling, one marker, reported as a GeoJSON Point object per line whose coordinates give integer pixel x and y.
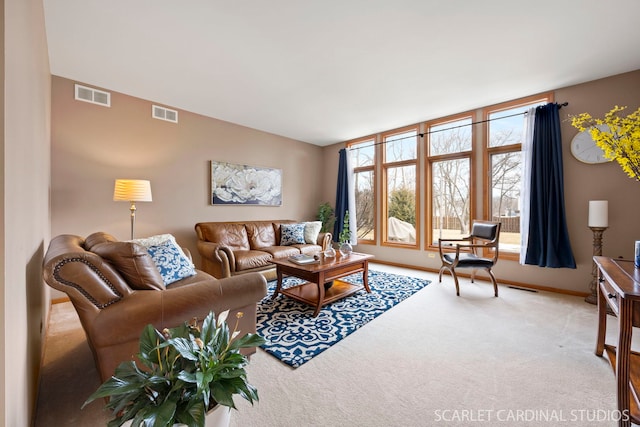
{"type": "Point", "coordinates": [325, 71]}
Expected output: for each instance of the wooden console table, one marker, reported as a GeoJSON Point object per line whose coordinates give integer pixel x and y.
{"type": "Point", "coordinates": [619, 289]}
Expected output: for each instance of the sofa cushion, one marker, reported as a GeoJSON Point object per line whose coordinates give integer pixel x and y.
{"type": "Point", "coordinates": [261, 234]}
{"type": "Point", "coordinates": [227, 234]}
{"type": "Point", "coordinates": [246, 260]}
{"type": "Point", "coordinates": [311, 232]}
{"type": "Point", "coordinates": [279, 252]}
{"type": "Point", "coordinates": [171, 261]}
{"type": "Point", "coordinates": [133, 262]}
{"type": "Point", "coordinates": [291, 234]}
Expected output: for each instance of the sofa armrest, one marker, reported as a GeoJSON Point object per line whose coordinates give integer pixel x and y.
{"type": "Point", "coordinates": [324, 240]}
{"type": "Point", "coordinates": [218, 263]}
{"type": "Point", "coordinates": [198, 299]}
{"type": "Point", "coordinates": [244, 288]}
{"type": "Point", "coordinates": [90, 282]}
{"type": "Point", "coordinates": [227, 260]}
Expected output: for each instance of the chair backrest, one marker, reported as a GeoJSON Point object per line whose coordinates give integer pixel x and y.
{"type": "Point", "coordinates": [488, 231]}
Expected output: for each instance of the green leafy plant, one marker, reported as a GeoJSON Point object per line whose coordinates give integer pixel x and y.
{"type": "Point", "coordinates": [187, 370]}
{"type": "Point", "coordinates": [345, 234]}
{"type": "Point", "coordinates": [326, 216]}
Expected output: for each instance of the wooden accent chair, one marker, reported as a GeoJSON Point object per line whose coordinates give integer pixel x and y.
{"type": "Point", "coordinates": [471, 252]}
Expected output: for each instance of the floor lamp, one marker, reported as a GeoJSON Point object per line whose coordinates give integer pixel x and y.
{"type": "Point", "coordinates": [598, 222]}
{"type": "Point", "coordinates": [132, 191]}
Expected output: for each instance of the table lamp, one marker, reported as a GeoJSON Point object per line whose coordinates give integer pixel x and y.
{"type": "Point", "coordinates": [132, 191]}
{"type": "Point", "coordinates": [598, 222]}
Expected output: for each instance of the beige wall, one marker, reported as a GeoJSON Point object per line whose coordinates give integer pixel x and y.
{"type": "Point", "coordinates": [3, 322]}
{"type": "Point", "coordinates": [93, 145]}
{"type": "Point", "coordinates": [582, 183]}
{"type": "Point", "coordinates": [25, 225]}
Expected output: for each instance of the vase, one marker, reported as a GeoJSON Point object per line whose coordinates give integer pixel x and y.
{"type": "Point", "coordinates": [330, 252]}
{"type": "Point", "coordinates": [346, 249]}
{"type": "Point", "coordinates": [219, 416]}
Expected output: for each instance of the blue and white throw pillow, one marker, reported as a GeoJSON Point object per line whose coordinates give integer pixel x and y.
{"type": "Point", "coordinates": [169, 258]}
{"type": "Point", "coordinates": [291, 234]}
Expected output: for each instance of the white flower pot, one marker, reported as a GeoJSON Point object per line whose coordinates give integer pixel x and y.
{"type": "Point", "coordinates": [219, 416]}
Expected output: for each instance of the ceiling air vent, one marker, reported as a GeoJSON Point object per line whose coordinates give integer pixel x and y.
{"type": "Point", "coordinates": [162, 113]}
{"type": "Point", "coordinates": [93, 96]}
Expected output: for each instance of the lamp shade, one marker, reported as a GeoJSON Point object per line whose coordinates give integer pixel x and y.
{"type": "Point", "coordinates": [598, 213]}
{"type": "Point", "coordinates": [132, 190]}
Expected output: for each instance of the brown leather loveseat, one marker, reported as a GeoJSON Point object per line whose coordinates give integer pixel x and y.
{"type": "Point", "coordinates": [234, 248]}
{"type": "Point", "coordinates": [117, 290]}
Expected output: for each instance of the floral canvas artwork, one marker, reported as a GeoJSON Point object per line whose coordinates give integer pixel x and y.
{"type": "Point", "coordinates": [245, 185]}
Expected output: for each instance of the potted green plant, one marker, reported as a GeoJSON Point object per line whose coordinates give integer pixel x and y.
{"type": "Point", "coordinates": [325, 215]}
{"type": "Point", "coordinates": [186, 372]}
{"type": "Point", "coordinates": [345, 236]}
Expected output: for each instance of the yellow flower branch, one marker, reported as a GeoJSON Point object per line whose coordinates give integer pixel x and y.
{"type": "Point", "coordinates": [619, 137]}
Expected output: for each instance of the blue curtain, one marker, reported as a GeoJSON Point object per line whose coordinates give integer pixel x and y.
{"type": "Point", "coordinates": [548, 241]}
{"type": "Point", "coordinates": [342, 194]}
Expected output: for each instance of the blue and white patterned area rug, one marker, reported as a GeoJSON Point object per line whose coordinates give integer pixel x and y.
{"type": "Point", "coordinates": [294, 336]}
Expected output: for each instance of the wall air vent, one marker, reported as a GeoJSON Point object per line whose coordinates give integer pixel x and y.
{"type": "Point", "coordinates": [94, 96]}
{"type": "Point", "coordinates": [162, 113]}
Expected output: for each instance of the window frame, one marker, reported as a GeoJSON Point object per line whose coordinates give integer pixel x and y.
{"type": "Point", "coordinates": [385, 166]}
{"type": "Point", "coordinates": [488, 152]}
{"type": "Point", "coordinates": [480, 171]}
{"type": "Point", "coordinates": [430, 160]}
{"type": "Point", "coordinates": [372, 169]}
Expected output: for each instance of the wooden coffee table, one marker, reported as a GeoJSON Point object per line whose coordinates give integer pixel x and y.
{"type": "Point", "coordinates": [326, 270]}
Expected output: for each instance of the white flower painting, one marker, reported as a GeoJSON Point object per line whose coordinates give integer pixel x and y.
{"type": "Point", "coordinates": [245, 185]}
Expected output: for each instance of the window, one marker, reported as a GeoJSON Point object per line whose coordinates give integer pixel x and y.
{"type": "Point", "coordinates": [363, 158]}
{"type": "Point", "coordinates": [472, 167]}
{"type": "Point", "coordinates": [449, 159]}
{"type": "Point", "coordinates": [505, 132]}
{"type": "Point", "coordinates": [400, 172]}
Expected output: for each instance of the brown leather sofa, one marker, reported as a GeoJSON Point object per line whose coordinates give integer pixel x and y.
{"type": "Point", "coordinates": [235, 248]}
{"type": "Point", "coordinates": [116, 290]}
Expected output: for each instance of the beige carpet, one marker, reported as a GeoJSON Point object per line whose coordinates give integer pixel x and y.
{"type": "Point", "coordinates": [524, 358]}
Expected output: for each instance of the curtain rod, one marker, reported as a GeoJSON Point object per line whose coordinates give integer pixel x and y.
{"type": "Point", "coordinates": [421, 135]}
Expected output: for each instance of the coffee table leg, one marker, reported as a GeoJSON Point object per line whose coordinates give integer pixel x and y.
{"type": "Point", "coordinates": [365, 276]}
{"type": "Point", "coordinates": [320, 283]}
{"type": "Point", "coordinates": [279, 285]}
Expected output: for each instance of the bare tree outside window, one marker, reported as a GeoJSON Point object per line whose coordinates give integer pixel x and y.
{"type": "Point", "coordinates": [363, 160]}
{"type": "Point", "coordinates": [506, 128]}
{"type": "Point", "coordinates": [451, 198]}
{"type": "Point", "coordinates": [401, 146]}
{"type": "Point", "coordinates": [365, 205]}
{"type": "Point", "coordinates": [506, 175]}
{"type": "Point", "coordinates": [450, 137]}
{"type": "Point", "coordinates": [451, 142]}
